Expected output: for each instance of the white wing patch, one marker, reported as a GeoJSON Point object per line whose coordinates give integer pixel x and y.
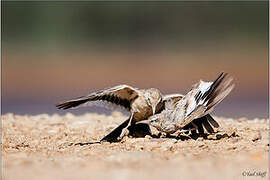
{"type": "Point", "coordinates": [205, 86]}
{"type": "Point", "coordinates": [202, 89]}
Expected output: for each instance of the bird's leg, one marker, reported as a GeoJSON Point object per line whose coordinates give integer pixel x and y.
{"type": "Point", "coordinates": [125, 131]}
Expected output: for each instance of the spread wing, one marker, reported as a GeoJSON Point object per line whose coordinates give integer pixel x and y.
{"type": "Point", "coordinates": [203, 97]}
{"type": "Point", "coordinates": [119, 95]}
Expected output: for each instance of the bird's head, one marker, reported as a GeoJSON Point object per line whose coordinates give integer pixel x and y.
{"type": "Point", "coordinates": [153, 98]}
{"type": "Point", "coordinates": [161, 122]}
{"type": "Point", "coordinates": [154, 121]}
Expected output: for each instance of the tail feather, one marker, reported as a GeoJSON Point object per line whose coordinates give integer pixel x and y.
{"type": "Point", "coordinates": [212, 121]}
{"type": "Point", "coordinates": [207, 125]}
{"type": "Point", "coordinates": [199, 122]}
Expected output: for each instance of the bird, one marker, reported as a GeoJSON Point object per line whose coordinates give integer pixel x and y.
{"type": "Point", "coordinates": [192, 108]}
{"type": "Point", "coordinates": [141, 103]}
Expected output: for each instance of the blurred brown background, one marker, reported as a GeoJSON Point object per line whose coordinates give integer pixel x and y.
{"type": "Point", "coordinates": [54, 51]}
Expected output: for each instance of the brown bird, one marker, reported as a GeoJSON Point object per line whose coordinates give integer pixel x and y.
{"type": "Point", "coordinates": [141, 103]}
{"type": "Point", "coordinates": [194, 106]}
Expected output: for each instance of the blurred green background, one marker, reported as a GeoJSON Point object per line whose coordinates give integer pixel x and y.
{"type": "Point", "coordinates": [54, 51]}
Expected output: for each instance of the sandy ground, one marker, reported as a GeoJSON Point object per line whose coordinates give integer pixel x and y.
{"type": "Point", "coordinates": [38, 147]}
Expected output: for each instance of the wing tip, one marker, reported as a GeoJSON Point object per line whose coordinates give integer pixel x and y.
{"type": "Point", "coordinates": [70, 104]}
{"type": "Point", "coordinates": [62, 105]}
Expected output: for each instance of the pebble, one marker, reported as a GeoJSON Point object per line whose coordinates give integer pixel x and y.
{"type": "Point", "coordinates": [257, 136]}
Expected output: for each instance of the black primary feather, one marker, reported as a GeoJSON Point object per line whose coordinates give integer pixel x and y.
{"type": "Point", "coordinates": [109, 98]}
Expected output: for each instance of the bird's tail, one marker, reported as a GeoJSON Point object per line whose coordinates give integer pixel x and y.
{"type": "Point", "coordinates": [72, 103]}
{"type": "Point", "coordinates": [216, 92]}
{"type": "Point", "coordinates": [207, 121]}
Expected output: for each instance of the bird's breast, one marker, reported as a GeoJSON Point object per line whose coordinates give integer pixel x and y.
{"type": "Point", "coordinates": [141, 110]}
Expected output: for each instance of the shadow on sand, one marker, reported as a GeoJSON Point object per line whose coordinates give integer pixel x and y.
{"type": "Point", "coordinates": [215, 136]}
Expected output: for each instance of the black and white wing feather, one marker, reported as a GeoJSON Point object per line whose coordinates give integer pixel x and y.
{"type": "Point", "coordinates": [201, 100]}
{"type": "Point", "coordinates": [121, 95]}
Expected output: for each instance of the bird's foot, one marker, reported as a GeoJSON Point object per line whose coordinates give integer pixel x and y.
{"type": "Point", "coordinates": [124, 133]}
